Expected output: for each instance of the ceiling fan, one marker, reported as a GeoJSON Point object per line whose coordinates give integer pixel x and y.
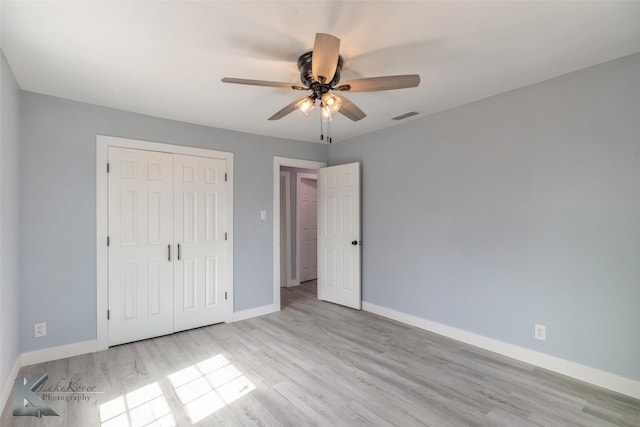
{"type": "Point", "coordinates": [320, 73]}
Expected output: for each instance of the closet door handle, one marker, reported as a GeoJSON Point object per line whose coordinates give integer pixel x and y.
{"type": "Point", "coordinates": [169, 251]}
{"type": "Point", "coordinates": [178, 251]}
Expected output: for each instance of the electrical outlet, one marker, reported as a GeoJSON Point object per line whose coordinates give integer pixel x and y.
{"type": "Point", "coordinates": [540, 332]}
{"type": "Point", "coordinates": [40, 329]}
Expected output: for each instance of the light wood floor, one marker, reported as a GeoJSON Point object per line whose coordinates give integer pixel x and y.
{"type": "Point", "coordinates": [316, 363]}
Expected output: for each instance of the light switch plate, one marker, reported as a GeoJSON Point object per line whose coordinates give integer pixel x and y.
{"type": "Point", "coordinates": [541, 332]}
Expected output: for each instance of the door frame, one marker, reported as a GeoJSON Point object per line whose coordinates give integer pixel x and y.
{"type": "Point", "coordinates": [299, 177]}
{"type": "Point", "coordinates": [277, 162]}
{"type": "Point", "coordinates": [103, 143]}
{"type": "Point", "coordinates": [288, 280]}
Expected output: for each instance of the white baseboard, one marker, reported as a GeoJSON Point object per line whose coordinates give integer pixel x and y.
{"type": "Point", "coordinates": [565, 367]}
{"type": "Point", "coordinates": [59, 352]}
{"type": "Point", "coordinates": [254, 312]}
{"type": "Point", "coordinates": [8, 386]}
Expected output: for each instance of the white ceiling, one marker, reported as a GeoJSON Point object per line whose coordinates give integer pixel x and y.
{"type": "Point", "coordinates": [166, 59]}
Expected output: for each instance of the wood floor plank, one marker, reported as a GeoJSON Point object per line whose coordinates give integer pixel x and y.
{"type": "Point", "coordinates": [318, 364]}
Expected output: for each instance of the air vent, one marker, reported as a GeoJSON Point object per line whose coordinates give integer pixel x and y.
{"type": "Point", "coordinates": [405, 115]}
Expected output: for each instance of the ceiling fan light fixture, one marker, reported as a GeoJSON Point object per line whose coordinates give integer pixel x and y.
{"type": "Point", "coordinates": [331, 103]}
{"type": "Point", "coordinates": [305, 105]}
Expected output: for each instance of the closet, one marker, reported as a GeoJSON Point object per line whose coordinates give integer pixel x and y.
{"type": "Point", "coordinates": [167, 246]}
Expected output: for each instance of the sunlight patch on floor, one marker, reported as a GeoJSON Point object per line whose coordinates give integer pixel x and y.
{"type": "Point", "coordinates": [208, 386]}
{"type": "Point", "coordinates": [143, 407]}
{"type": "Point", "coordinates": [202, 389]}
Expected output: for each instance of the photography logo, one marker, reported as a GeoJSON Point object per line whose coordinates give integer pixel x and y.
{"type": "Point", "coordinates": [26, 402]}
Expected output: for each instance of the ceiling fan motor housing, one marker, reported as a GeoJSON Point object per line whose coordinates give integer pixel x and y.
{"type": "Point", "coordinates": [306, 76]}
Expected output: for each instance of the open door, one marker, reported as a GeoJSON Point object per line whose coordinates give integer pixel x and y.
{"type": "Point", "coordinates": [339, 235]}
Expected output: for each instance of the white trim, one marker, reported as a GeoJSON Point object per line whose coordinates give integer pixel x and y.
{"type": "Point", "coordinates": [102, 253]}
{"type": "Point", "coordinates": [254, 312]}
{"type": "Point", "coordinates": [6, 388]}
{"type": "Point", "coordinates": [293, 283]}
{"type": "Point", "coordinates": [277, 162]}
{"type": "Point", "coordinates": [287, 226]}
{"type": "Point", "coordinates": [565, 367]}
{"type": "Point", "coordinates": [299, 177]}
{"type": "Point", "coordinates": [41, 356]}
{"type": "Point", "coordinates": [102, 284]}
{"type": "Point", "coordinates": [58, 352]}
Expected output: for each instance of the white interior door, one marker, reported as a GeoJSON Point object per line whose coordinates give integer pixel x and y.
{"type": "Point", "coordinates": [339, 235]}
{"type": "Point", "coordinates": [200, 236]}
{"type": "Point", "coordinates": [140, 239]}
{"type": "Point", "coordinates": [308, 227]}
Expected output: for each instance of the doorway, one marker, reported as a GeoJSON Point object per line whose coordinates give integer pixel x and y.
{"type": "Point", "coordinates": [286, 244]}
{"type": "Point", "coordinates": [339, 231]}
{"type": "Point", "coordinates": [298, 226]}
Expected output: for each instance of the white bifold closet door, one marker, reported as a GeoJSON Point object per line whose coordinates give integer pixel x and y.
{"type": "Point", "coordinates": [167, 252]}
{"type": "Point", "coordinates": [200, 224]}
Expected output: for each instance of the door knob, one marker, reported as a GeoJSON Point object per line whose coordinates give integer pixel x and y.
{"type": "Point", "coordinates": [354, 243]}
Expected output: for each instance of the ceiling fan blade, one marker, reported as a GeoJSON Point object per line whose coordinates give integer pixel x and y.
{"type": "Point", "coordinates": [324, 59]}
{"type": "Point", "coordinates": [373, 84]}
{"type": "Point", "coordinates": [262, 83]}
{"type": "Point", "coordinates": [286, 110]}
{"type": "Point", "coordinates": [350, 110]}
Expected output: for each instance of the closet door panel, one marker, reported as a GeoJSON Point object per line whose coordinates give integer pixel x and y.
{"type": "Point", "coordinates": [140, 236]}
{"type": "Point", "coordinates": [200, 225]}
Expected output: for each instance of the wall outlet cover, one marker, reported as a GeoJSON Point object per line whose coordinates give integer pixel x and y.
{"type": "Point", "coordinates": [40, 329]}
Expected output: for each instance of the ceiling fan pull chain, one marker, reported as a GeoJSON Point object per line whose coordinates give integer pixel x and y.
{"type": "Point", "coordinates": [321, 132]}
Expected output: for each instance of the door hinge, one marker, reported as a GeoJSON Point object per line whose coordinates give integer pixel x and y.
{"type": "Point", "coordinates": [225, 235]}
{"type": "Point", "coordinates": [107, 240]}
{"type": "Point", "coordinates": [225, 177]}
{"type": "Point", "coordinates": [108, 314]}
{"type": "Point", "coordinates": [107, 167]}
{"type": "Point", "coordinates": [225, 295]}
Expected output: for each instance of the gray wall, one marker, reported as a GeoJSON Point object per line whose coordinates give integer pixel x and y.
{"type": "Point", "coordinates": [517, 209]}
{"type": "Point", "coordinates": [58, 214]}
{"type": "Point", "coordinates": [9, 136]}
